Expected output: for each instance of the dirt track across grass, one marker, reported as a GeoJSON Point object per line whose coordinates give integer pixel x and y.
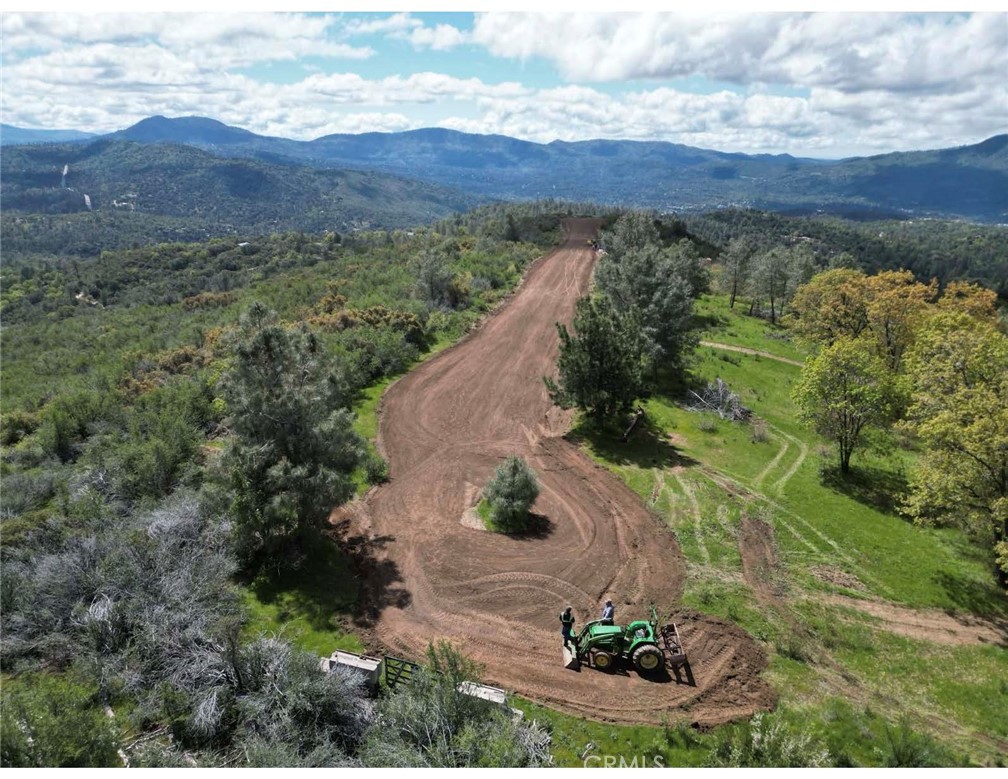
{"type": "Point", "coordinates": [444, 428]}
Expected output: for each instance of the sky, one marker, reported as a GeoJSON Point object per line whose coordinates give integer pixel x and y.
{"type": "Point", "coordinates": [811, 84]}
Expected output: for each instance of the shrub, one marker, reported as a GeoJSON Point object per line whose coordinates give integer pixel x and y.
{"type": "Point", "coordinates": [52, 721]}
{"type": "Point", "coordinates": [15, 425]}
{"type": "Point", "coordinates": [511, 493]}
{"type": "Point", "coordinates": [23, 491]}
{"type": "Point", "coordinates": [68, 420]}
{"type": "Point", "coordinates": [770, 742]}
{"type": "Point", "coordinates": [376, 468]}
{"type": "Point", "coordinates": [903, 748]}
{"type": "Point", "coordinates": [706, 425]}
{"type": "Point", "coordinates": [431, 723]}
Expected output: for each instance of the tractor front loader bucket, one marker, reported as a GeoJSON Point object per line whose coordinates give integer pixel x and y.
{"type": "Point", "coordinates": [570, 659]}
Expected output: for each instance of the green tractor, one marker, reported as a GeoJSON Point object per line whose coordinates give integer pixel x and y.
{"type": "Point", "coordinates": [642, 643]}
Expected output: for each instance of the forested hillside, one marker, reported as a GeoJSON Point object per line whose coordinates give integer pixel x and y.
{"type": "Point", "coordinates": [969, 182]}
{"type": "Point", "coordinates": [930, 248]}
{"type": "Point", "coordinates": [219, 195]}
{"type": "Point", "coordinates": [133, 535]}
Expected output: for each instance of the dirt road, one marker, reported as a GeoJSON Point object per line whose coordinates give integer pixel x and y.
{"type": "Point", "coordinates": [755, 352]}
{"type": "Point", "coordinates": [444, 428]}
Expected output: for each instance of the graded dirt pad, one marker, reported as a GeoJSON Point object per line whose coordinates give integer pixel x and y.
{"type": "Point", "coordinates": [444, 428]}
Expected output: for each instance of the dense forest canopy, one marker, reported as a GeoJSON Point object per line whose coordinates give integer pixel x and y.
{"type": "Point", "coordinates": [931, 248]}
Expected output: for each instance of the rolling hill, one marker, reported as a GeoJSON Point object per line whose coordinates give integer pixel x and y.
{"type": "Point", "coordinates": [224, 193]}
{"type": "Point", "coordinates": [966, 182]}
{"type": "Point", "coordinates": [12, 136]}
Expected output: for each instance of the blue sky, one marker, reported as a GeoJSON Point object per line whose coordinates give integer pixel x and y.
{"type": "Point", "coordinates": [812, 84]}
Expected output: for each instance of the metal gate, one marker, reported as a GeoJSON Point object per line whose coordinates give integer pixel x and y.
{"type": "Point", "coordinates": [399, 671]}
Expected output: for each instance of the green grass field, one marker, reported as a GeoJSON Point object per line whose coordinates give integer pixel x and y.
{"type": "Point", "coordinates": [843, 537]}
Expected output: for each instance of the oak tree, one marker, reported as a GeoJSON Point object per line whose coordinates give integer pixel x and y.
{"type": "Point", "coordinates": [959, 409]}
{"type": "Point", "coordinates": [843, 391]}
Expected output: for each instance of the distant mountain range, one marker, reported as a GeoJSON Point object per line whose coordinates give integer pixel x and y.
{"type": "Point", "coordinates": [12, 136]}
{"type": "Point", "coordinates": [224, 194]}
{"type": "Point", "coordinates": [965, 182]}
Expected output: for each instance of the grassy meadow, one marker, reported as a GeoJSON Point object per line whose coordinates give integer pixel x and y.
{"type": "Point", "coordinates": [840, 672]}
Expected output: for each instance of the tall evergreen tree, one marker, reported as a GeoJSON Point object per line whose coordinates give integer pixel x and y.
{"type": "Point", "coordinates": [736, 265]}
{"type": "Point", "coordinates": [294, 448]}
{"type": "Point", "coordinates": [633, 230]}
{"type": "Point", "coordinates": [601, 366]}
{"type": "Point", "coordinates": [650, 281]}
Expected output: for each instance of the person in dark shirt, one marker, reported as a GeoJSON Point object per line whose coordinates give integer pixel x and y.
{"type": "Point", "coordinates": [567, 627]}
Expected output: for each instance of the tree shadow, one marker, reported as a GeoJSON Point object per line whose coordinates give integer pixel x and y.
{"type": "Point", "coordinates": [537, 527]}
{"type": "Point", "coordinates": [875, 487]}
{"type": "Point", "coordinates": [379, 578]}
{"type": "Point", "coordinates": [647, 447]}
{"type": "Point", "coordinates": [316, 584]}
{"type": "Point", "coordinates": [681, 674]}
{"type": "Point", "coordinates": [709, 321]}
{"type": "Point", "coordinates": [976, 598]}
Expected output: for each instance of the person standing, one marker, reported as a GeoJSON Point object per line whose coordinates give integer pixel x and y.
{"type": "Point", "coordinates": [567, 628]}
{"type": "Point", "coordinates": [608, 613]}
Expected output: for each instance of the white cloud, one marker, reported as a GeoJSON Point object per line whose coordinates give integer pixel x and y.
{"type": "Point", "coordinates": [852, 52]}
{"type": "Point", "coordinates": [402, 26]}
{"type": "Point", "coordinates": [396, 23]}
{"type": "Point", "coordinates": [218, 40]}
{"type": "Point", "coordinates": [441, 37]}
{"type": "Point", "coordinates": [869, 83]}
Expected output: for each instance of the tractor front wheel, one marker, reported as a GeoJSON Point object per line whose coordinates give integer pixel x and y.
{"type": "Point", "coordinates": [648, 659]}
{"type": "Point", "coordinates": [602, 660]}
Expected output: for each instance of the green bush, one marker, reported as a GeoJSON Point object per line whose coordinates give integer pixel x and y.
{"type": "Point", "coordinates": [431, 723]}
{"type": "Point", "coordinates": [769, 742]}
{"type": "Point", "coordinates": [903, 748]}
{"type": "Point", "coordinates": [15, 425]}
{"type": "Point", "coordinates": [376, 468]}
{"type": "Point", "coordinates": [52, 721]}
{"type": "Point", "coordinates": [68, 420]}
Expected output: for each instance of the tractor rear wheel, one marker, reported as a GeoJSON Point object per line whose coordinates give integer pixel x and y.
{"type": "Point", "coordinates": [602, 660]}
{"type": "Point", "coordinates": [648, 659]}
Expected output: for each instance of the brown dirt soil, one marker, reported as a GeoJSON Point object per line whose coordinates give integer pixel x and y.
{"type": "Point", "coordinates": [758, 547]}
{"type": "Point", "coordinates": [444, 428]}
{"type": "Point", "coordinates": [940, 627]}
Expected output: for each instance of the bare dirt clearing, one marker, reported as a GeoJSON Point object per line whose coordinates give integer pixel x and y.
{"type": "Point", "coordinates": [444, 428]}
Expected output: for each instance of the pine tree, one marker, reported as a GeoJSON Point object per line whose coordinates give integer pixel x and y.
{"type": "Point", "coordinates": [294, 448]}
{"type": "Point", "coordinates": [601, 366]}
{"type": "Point", "coordinates": [511, 493]}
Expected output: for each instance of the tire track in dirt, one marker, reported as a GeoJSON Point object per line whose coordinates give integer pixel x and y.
{"type": "Point", "coordinates": [772, 464]}
{"type": "Point", "coordinates": [803, 450]}
{"type": "Point", "coordinates": [697, 517]}
{"type": "Point", "coordinates": [758, 549]}
{"type": "Point", "coordinates": [444, 428]}
{"type": "Point", "coordinates": [754, 352]}
{"type": "Point", "coordinates": [934, 625]}
{"type": "Point", "coordinates": [736, 487]}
